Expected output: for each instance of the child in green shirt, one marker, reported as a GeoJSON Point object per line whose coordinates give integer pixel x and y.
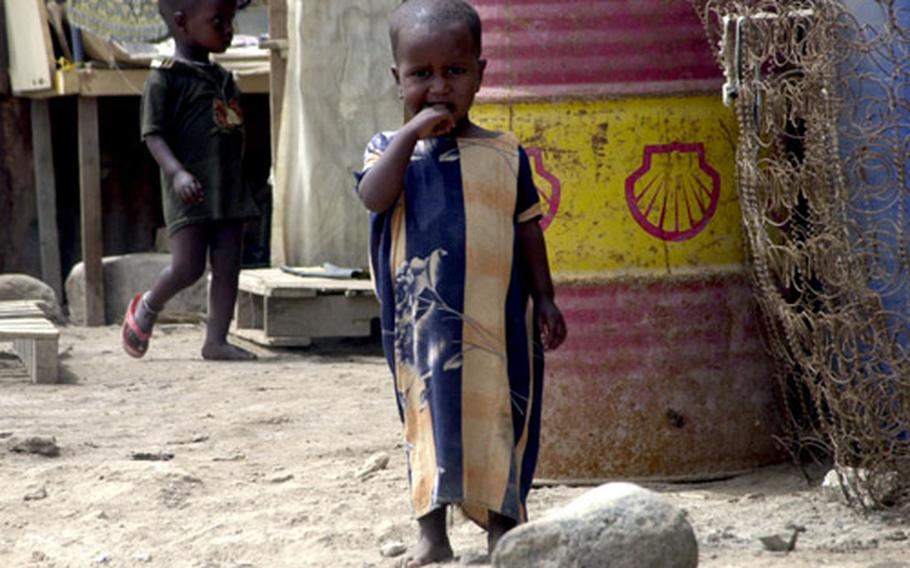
{"type": "Point", "coordinates": [192, 124]}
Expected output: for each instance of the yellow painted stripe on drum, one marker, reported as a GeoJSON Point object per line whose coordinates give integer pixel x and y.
{"type": "Point", "coordinates": [592, 147]}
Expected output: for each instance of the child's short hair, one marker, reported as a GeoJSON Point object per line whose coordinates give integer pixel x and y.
{"type": "Point", "coordinates": [436, 13]}
{"type": "Point", "coordinates": [167, 7]}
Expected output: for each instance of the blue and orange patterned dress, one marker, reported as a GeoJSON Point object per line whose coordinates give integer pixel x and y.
{"type": "Point", "coordinates": [457, 325]}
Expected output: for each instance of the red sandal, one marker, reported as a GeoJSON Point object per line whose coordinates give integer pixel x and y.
{"type": "Point", "coordinates": [135, 341]}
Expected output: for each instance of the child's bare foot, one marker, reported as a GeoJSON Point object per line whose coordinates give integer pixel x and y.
{"type": "Point", "coordinates": [427, 552]}
{"type": "Point", "coordinates": [499, 526]}
{"type": "Point", "coordinates": [226, 352]}
{"type": "Point", "coordinates": [433, 545]}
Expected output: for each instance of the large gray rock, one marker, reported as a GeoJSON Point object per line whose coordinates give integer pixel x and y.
{"type": "Point", "coordinates": [126, 275]}
{"type": "Point", "coordinates": [617, 525]}
{"type": "Point", "coordinates": [25, 287]}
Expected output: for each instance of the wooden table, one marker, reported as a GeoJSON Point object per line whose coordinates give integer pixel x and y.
{"type": "Point", "coordinates": [35, 339]}
{"type": "Point", "coordinates": [34, 75]}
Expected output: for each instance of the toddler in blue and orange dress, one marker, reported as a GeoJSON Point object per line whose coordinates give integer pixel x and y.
{"type": "Point", "coordinates": [457, 251]}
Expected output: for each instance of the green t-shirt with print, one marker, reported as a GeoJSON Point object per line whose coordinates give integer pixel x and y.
{"type": "Point", "coordinates": [195, 108]}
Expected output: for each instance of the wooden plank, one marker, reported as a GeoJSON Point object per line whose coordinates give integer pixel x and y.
{"type": "Point", "coordinates": [130, 82]}
{"type": "Point", "coordinates": [265, 282]}
{"type": "Point", "coordinates": [248, 310]}
{"type": "Point", "coordinates": [278, 309]}
{"type": "Point", "coordinates": [66, 82]}
{"type": "Point", "coordinates": [323, 316]}
{"type": "Point", "coordinates": [39, 323]}
{"type": "Point", "coordinates": [35, 339]}
{"type": "Point", "coordinates": [34, 312]}
{"type": "Point", "coordinates": [100, 82]}
{"type": "Point", "coordinates": [254, 81]}
{"type": "Point", "coordinates": [44, 366]}
{"type": "Point", "coordinates": [31, 52]}
{"type": "Point", "coordinates": [19, 309]}
{"type": "Point", "coordinates": [111, 82]}
{"type": "Point", "coordinates": [46, 189]}
{"type": "Point", "coordinates": [9, 304]}
{"type": "Point", "coordinates": [273, 282]}
{"type": "Point", "coordinates": [40, 358]}
{"type": "Point", "coordinates": [258, 336]}
{"type": "Point", "coordinates": [277, 76]}
{"type": "Point", "coordinates": [90, 210]}
{"type": "Point", "coordinates": [55, 17]}
{"type": "Point", "coordinates": [26, 333]}
{"type": "Point", "coordinates": [4, 53]}
{"type": "Point", "coordinates": [278, 33]}
{"type": "Point", "coordinates": [44, 32]}
{"type": "Point", "coordinates": [278, 19]}
{"type": "Point", "coordinates": [27, 328]}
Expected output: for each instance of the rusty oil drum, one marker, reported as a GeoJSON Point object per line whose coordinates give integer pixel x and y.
{"type": "Point", "coordinates": [618, 103]}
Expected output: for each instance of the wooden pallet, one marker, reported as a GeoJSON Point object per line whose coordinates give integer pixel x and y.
{"type": "Point", "coordinates": [35, 338]}
{"type": "Point", "coordinates": [284, 310]}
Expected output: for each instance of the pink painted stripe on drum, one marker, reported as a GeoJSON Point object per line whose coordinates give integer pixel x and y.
{"type": "Point", "coordinates": [660, 377]}
{"type": "Point", "coordinates": [607, 46]}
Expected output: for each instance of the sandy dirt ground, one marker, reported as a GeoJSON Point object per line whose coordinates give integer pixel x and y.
{"type": "Point", "coordinates": [171, 461]}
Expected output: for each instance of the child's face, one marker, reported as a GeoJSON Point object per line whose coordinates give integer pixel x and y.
{"type": "Point", "coordinates": [209, 25]}
{"type": "Point", "coordinates": [438, 66]}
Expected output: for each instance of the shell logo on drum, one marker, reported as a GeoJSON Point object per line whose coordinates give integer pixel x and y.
{"type": "Point", "coordinates": [550, 199]}
{"type": "Point", "coordinates": [675, 192]}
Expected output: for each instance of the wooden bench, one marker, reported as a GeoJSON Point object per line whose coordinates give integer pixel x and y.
{"type": "Point", "coordinates": [34, 338]}
{"type": "Point", "coordinates": [277, 309]}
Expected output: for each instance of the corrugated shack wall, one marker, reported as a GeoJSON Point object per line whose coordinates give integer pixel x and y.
{"type": "Point", "coordinates": [338, 93]}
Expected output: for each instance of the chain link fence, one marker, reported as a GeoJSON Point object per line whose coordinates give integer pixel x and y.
{"type": "Point", "coordinates": [822, 94]}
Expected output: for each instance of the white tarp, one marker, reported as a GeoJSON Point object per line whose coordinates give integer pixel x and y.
{"type": "Point", "coordinates": [338, 93]}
